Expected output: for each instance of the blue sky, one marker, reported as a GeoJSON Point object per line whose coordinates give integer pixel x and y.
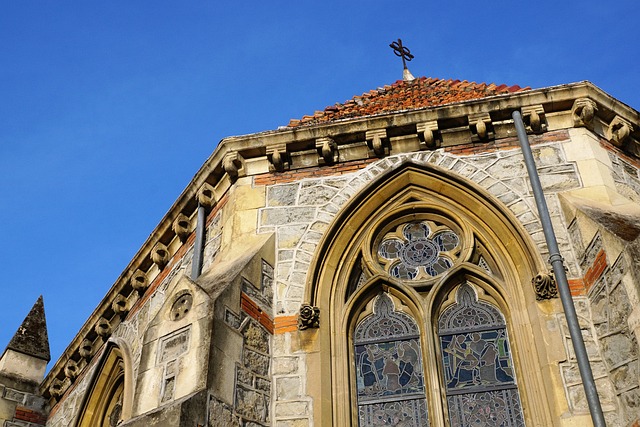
{"type": "Point", "coordinates": [108, 109]}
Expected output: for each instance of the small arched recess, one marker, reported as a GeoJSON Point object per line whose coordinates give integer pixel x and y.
{"type": "Point", "coordinates": [415, 242]}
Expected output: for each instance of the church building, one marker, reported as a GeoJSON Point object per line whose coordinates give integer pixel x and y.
{"type": "Point", "coordinates": [380, 262]}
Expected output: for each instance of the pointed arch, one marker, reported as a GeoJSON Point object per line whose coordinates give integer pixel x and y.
{"type": "Point", "coordinates": [412, 193]}
{"type": "Point", "coordinates": [110, 397]}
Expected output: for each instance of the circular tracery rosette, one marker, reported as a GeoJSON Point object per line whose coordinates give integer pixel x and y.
{"type": "Point", "coordinates": [418, 250]}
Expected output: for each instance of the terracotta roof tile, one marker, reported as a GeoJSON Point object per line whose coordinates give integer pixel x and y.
{"type": "Point", "coordinates": [406, 95]}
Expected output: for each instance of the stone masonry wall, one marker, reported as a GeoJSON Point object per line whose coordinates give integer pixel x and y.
{"type": "Point", "coordinates": [300, 212]}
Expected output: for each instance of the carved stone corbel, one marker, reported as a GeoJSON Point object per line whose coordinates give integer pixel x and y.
{"type": "Point", "coordinates": [327, 151]}
{"type": "Point", "coordinates": [309, 317]}
{"type": "Point", "coordinates": [120, 305]}
{"type": "Point", "coordinates": [139, 281]}
{"type": "Point", "coordinates": [56, 389]}
{"type": "Point", "coordinates": [86, 349]}
{"type": "Point", "coordinates": [182, 227]}
{"type": "Point", "coordinates": [103, 327]}
{"type": "Point", "coordinates": [160, 255]}
{"type": "Point", "coordinates": [545, 286]}
{"type": "Point", "coordinates": [206, 196]}
{"type": "Point", "coordinates": [534, 118]}
{"type": "Point", "coordinates": [583, 112]}
{"type": "Point", "coordinates": [429, 135]}
{"type": "Point", "coordinates": [480, 125]}
{"type": "Point", "coordinates": [618, 131]}
{"type": "Point", "coordinates": [377, 141]}
{"type": "Point", "coordinates": [71, 369]}
{"type": "Point", "coordinates": [278, 157]}
{"type": "Point", "coordinates": [232, 164]}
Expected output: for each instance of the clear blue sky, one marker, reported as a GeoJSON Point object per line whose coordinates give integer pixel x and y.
{"type": "Point", "coordinates": [107, 109]}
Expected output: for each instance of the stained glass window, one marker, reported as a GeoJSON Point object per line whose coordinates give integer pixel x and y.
{"type": "Point", "coordinates": [389, 379]}
{"type": "Point", "coordinates": [478, 371]}
{"type": "Point", "coordinates": [418, 250]}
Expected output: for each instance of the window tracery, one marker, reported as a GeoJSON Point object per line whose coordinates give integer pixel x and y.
{"type": "Point", "coordinates": [417, 250]}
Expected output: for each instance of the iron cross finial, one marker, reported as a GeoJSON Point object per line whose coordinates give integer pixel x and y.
{"type": "Point", "coordinates": [402, 52]}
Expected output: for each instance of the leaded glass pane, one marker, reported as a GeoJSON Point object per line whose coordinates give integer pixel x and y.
{"type": "Point", "coordinates": [390, 249]}
{"type": "Point", "coordinates": [389, 378]}
{"type": "Point", "coordinates": [407, 413]}
{"type": "Point", "coordinates": [412, 253]}
{"type": "Point", "coordinates": [388, 369]}
{"type": "Point", "coordinates": [446, 241]}
{"type": "Point", "coordinates": [416, 231]}
{"type": "Point", "coordinates": [476, 359]}
{"type": "Point", "coordinates": [500, 408]}
{"type": "Point", "coordinates": [477, 366]}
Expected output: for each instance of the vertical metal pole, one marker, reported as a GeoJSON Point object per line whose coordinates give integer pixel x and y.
{"type": "Point", "coordinates": [561, 278]}
{"type": "Point", "coordinates": [196, 265]}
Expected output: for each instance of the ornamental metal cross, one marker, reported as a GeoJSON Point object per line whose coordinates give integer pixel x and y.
{"type": "Point", "coordinates": [402, 52]}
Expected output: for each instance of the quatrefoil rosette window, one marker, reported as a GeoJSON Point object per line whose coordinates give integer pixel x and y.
{"type": "Point", "coordinates": [417, 250]}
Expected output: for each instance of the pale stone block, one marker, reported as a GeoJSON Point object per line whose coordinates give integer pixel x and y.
{"type": "Point", "coordinates": [584, 145]}
{"type": "Point", "coordinates": [595, 173]}
{"type": "Point", "coordinates": [244, 222]}
{"type": "Point", "coordinates": [287, 409]}
{"type": "Point", "coordinates": [249, 197]}
{"type": "Point", "coordinates": [285, 365]}
{"type": "Point", "coordinates": [299, 422]}
{"type": "Point", "coordinates": [287, 215]}
{"type": "Point", "coordinates": [288, 388]}
{"type": "Point", "coordinates": [282, 195]}
{"type": "Point", "coordinates": [315, 194]}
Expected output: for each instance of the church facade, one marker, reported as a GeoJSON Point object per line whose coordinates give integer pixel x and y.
{"type": "Point", "coordinates": [380, 262]}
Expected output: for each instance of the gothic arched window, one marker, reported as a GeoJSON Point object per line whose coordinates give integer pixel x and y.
{"type": "Point", "coordinates": [478, 371]}
{"type": "Point", "coordinates": [389, 380]}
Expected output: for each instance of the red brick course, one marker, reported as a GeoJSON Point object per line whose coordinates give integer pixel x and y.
{"type": "Point", "coordinates": [595, 271]}
{"type": "Point", "coordinates": [25, 414]}
{"type": "Point", "coordinates": [252, 309]}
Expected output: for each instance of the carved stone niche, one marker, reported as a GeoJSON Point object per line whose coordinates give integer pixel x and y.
{"type": "Point", "coordinates": [327, 151]}
{"type": "Point", "coordinates": [182, 227]}
{"type": "Point", "coordinates": [481, 126]}
{"type": "Point", "coordinates": [618, 131]}
{"type": "Point", "coordinates": [309, 317]}
{"type": "Point", "coordinates": [429, 136]}
{"type": "Point", "coordinates": [545, 286]}
{"type": "Point", "coordinates": [233, 164]}
{"type": "Point", "coordinates": [139, 281]}
{"type": "Point", "coordinates": [583, 112]}
{"type": "Point", "coordinates": [377, 142]}
{"type": "Point", "coordinates": [160, 255]}
{"type": "Point", "coordinates": [534, 118]}
{"type": "Point", "coordinates": [278, 157]}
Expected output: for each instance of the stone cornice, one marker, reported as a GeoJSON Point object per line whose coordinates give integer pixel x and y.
{"type": "Point", "coordinates": [236, 157]}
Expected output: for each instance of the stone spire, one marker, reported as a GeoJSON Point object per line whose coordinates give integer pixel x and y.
{"type": "Point", "coordinates": [31, 337]}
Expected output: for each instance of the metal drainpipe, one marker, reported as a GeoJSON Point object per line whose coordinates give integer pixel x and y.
{"type": "Point", "coordinates": [196, 265]}
{"type": "Point", "coordinates": [557, 262]}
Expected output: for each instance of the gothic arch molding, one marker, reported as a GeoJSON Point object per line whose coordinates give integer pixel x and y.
{"type": "Point", "coordinates": [416, 191]}
{"type": "Point", "coordinates": [111, 387]}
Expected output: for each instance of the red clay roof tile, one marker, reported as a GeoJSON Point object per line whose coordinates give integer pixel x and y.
{"type": "Point", "coordinates": [406, 95]}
